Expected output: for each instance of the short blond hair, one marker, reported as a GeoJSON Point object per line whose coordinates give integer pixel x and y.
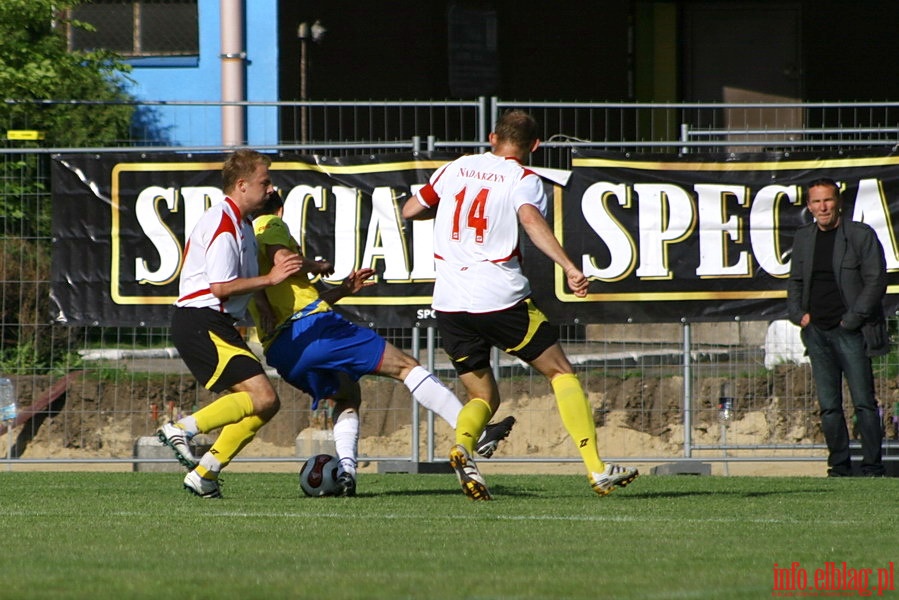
{"type": "Point", "coordinates": [241, 165]}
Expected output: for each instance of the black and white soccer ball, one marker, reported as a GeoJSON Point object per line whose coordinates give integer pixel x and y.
{"type": "Point", "coordinates": [318, 476]}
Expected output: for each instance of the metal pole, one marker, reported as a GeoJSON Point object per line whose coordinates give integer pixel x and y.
{"type": "Point", "coordinates": [304, 110]}
{"type": "Point", "coordinates": [416, 350]}
{"type": "Point", "coordinates": [431, 350]}
{"type": "Point", "coordinates": [305, 33]}
{"type": "Point", "coordinates": [688, 393]}
{"type": "Point", "coordinates": [233, 59]}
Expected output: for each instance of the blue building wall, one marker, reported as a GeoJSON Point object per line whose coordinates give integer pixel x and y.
{"type": "Point", "coordinates": [199, 79]}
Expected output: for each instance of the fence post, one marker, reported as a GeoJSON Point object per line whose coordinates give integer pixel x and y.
{"type": "Point", "coordinates": [431, 350]}
{"type": "Point", "coordinates": [688, 392]}
{"type": "Point", "coordinates": [484, 124]}
{"type": "Point", "coordinates": [416, 351]}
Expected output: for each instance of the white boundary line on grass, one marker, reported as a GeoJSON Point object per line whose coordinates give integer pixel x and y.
{"type": "Point", "coordinates": [492, 517]}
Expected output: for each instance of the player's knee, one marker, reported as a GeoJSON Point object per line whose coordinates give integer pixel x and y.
{"type": "Point", "coordinates": [396, 363]}
{"type": "Point", "coordinates": [267, 404]}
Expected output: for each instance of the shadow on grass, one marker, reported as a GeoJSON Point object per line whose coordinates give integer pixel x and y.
{"type": "Point", "coordinates": [495, 490]}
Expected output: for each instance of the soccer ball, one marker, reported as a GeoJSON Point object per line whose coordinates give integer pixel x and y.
{"type": "Point", "coordinates": [318, 476]}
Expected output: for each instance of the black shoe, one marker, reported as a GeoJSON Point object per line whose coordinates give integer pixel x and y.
{"type": "Point", "coordinates": [838, 473]}
{"type": "Point", "coordinates": [346, 485]}
{"type": "Point", "coordinates": [874, 473]}
{"type": "Point", "coordinates": [494, 433]}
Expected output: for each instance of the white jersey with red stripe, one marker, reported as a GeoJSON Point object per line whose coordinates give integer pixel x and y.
{"type": "Point", "coordinates": [221, 248]}
{"type": "Point", "coordinates": [476, 243]}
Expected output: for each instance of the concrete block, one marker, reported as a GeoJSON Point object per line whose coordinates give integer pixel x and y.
{"type": "Point", "coordinates": [408, 466]}
{"type": "Point", "coordinates": [151, 447]}
{"type": "Point", "coordinates": [726, 333]}
{"type": "Point", "coordinates": [682, 468]}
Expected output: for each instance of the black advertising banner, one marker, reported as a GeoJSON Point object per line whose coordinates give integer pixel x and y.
{"type": "Point", "coordinates": [667, 238]}
{"type": "Point", "coordinates": [662, 238]}
{"type": "Point", "coordinates": [120, 225]}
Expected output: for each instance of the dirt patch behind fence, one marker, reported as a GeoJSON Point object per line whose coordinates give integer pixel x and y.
{"type": "Point", "coordinates": [636, 417]}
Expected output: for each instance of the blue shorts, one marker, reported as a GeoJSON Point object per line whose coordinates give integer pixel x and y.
{"type": "Point", "coordinates": [310, 351]}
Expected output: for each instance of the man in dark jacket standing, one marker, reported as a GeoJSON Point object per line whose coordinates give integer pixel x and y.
{"type": "Point", "coordinates": [835, 294]}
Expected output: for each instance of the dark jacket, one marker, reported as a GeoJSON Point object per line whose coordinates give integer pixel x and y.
{"type": "Point", "coordinates": [859, 268]}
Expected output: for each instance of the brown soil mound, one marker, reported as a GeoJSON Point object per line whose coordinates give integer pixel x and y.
{"type": "Point", "coordinates": [636, 417]}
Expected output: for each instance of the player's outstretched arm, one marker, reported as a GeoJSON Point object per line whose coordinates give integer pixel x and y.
{"type": "Point", "coordinates": [542, 236]}
{"type": "Point", "coordinates": [354, 282]}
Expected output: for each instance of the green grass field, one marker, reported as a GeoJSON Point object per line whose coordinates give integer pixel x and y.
{"type": "Point", "coordinates": [139, 535]}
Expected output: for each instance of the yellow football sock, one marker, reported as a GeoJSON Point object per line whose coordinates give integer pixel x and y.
{"type": "Point", "coordinates": [232, 440]}
{"type": "Point", "coordinates": [226, 410]}
{"type": "Point", "coordinates": [577, 417]}
{"type": "Point", "coordinates": [472, 419]}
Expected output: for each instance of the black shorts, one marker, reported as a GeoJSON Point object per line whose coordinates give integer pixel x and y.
{"type": "Point", "coordinates": [521, 331]}
{"type": "Point", "coordinates": [212, 348]}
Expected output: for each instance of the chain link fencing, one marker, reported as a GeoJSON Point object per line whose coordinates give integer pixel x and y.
{"type": "Point", "coordinates": [90, 394]}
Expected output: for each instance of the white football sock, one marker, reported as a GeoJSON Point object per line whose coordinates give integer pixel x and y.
{"type": "Point", "coordinates": [211, 463]}
{"type": "Point", "coordinates": [189, 425]}
{"type": "Point", "coordinates": [433, 395]}
{"type": "Point", "coordinates": [346, 440]}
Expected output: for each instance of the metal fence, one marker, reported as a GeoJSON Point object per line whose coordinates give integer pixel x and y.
{"type": "Point", "coordinates": [89, 394]}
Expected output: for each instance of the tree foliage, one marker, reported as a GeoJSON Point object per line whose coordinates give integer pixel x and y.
{"type": "Point", "coordinates": [41, 80]}
{"type": "Point", "coordinates": [78, 99]}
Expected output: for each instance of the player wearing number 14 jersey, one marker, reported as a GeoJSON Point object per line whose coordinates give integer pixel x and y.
{"type": "Point", "coordinates": [476, 231]}
{"type": "Point", "coordinates": [482, 297]}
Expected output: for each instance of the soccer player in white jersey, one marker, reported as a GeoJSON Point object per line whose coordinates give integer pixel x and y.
{"type": "Point", "coordinates": [219, 275]}
{"type": "Point", "coordinates": [477, 203]}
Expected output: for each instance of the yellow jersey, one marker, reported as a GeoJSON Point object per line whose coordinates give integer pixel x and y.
{"type": "Point", "coordinates": [294, 297]}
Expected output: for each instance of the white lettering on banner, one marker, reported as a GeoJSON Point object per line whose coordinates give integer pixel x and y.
{"type": "Point", "coordinates": [871, 207]}
{"type": "Point", "coordinates": [295, 208]}
{"type": "Point", "coordinates": [424, 268]}
{"type": "Point", "coordinates": [764, 219]}
{"type": "Point", "coordinates": [715, 226]}
{"type": "Point", "coordinates": [346, 231]}
{"type": "Point", "coordinates": [167, 247]}
{"type": "Point", "coordinates": [195, 201]}
{"type": "Point", "coordinates": [667, 216]}
{"type": "Point", "coordinates": [595, 208]}
{"type": "Point", "coordinates": [385, 237]}
{"type": "Point", "coordinates": [384, 242]}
